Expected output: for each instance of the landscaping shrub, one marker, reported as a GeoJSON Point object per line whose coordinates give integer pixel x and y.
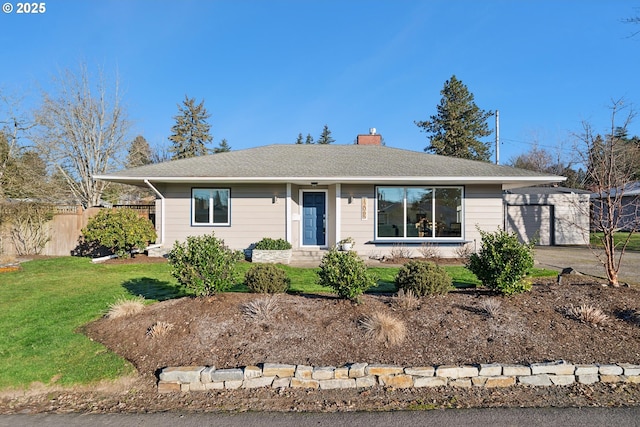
{"type": "Point", "coordinates": [121, 230]}
{"type": "Point", "coordinates": [423, 278]}
{"type": "Point", "coordinates": [502, 262]}
{"type": "Point", "coordinates": [204, 265]}
{"type": "Point", "coordinates": [269, 244]}
{"type": "Point", "coordinates": [26, 223]}
{"type": "Point", "coordinates": [345, 273]}
{"type": "Point", "coordinates": [266, 279]}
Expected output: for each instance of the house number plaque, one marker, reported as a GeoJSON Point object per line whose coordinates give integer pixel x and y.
{"type": "Point", "coordinates": [364, 211]}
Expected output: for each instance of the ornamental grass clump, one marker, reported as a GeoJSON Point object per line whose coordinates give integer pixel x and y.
{"type": "Point", "coordinates": [384, 328]}
{"type": "Point", "coordinates": [159, 329]}
{"type": "Point", "coordinates": [406, 300]}
{"type": "Point", "coordinates": [267, 279]}
{"type": "Point", "coordinates": [490, 307]}
{"type": "Point", "coordinates": [346, 273]}
{"type": "Point", "coordinates": [204, 265]}
{"type": "Point", "coordinates": [423, 278]}
{"type": "Point", "coordinates": [503, 262]}
{"type": "Point", "coordinates": [125, 307]}
{"type": "Point", "coordinates": [587, 314]}
{"type": "Point", "coordinates": [261, 310]}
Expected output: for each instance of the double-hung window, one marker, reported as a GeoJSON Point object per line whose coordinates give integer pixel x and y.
{"type": "Point", "coordinates": [210, 206]}
{"type": "Point", "coordinates": [419, 213]}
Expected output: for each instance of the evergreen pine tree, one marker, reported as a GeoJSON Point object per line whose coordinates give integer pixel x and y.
{"type": "Point", "coordinates": [299, 140]}
{"type": "Point", "coordinates": [456, 128]}
{"type": "Point", "coordinates": [223, 147]}
{"type": "Point", "coordinates": [309, 139]}
{"type": "Point", "coordinates": [139, 153]}
{"type": "Point", "coordinates": [190, 134]}
{"type": "Point", "coordinates": [325, 136]}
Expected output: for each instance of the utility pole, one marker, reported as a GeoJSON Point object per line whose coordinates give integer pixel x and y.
{"type": "Point", "coordinates": [497, 137]}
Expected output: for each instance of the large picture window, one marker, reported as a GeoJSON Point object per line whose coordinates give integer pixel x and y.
{"type": "Point", "coordinates": [210, 206]}
{"type": "Point", "coordinates": [419, 212]}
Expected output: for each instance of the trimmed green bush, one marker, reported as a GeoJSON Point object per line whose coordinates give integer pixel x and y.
{"type": "Point", "coordinates": [502, 262]}
{"type": "Point", "coordinates": [121, 230]}
{"type": "Point", "coordinates": [346, 273]}
{"type": "Point", "coordinates": [204, 264]}
{"type": "Point", "coordinates": [423, 278]}
{"type": "Point", "coordinates": [269, 244]}
{"type": "Point", "coordinates": [266, 279]}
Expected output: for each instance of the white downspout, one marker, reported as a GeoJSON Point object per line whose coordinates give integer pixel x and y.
{"type": "Point", "coordinates": [289, 224]}
{"type": "Point", "coordinates": [162, 208]}
{"type": "Point", "coordinates": [338, 213]}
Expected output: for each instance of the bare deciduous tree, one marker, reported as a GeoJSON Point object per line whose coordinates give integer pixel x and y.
{"type": "Point", "coordinates": [610, 171]}
{"type": "Point", "coordinates": [83, 131]}
{"type": "Point", "coordinates": [14, 125]}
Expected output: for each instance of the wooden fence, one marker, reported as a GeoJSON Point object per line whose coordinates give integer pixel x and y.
{"type": "Point", "coordinates": [65, 228]}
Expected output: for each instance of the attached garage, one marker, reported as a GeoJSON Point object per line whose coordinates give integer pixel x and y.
{"type": "Point", "coordinates": [548, 215]}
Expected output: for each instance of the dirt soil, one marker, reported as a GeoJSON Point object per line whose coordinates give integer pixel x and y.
{"type": "Point", "coordinates": [325, 331]}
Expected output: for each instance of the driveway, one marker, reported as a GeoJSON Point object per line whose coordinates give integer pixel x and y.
{"type": "Point", "coordinates": [583, 260]}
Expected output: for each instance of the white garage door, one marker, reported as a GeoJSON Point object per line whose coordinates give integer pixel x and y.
{"type": "Point", "coordinates": [530, 222]}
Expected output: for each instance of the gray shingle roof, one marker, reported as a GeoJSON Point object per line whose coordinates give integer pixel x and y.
{"type": "Point", "coordinates": [328, 163]}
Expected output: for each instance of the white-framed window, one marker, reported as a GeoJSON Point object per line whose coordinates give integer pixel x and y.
{"type": "Point", "coordinates": [210, 206]}
{"type": "Point", "coordinates": [419, 213]}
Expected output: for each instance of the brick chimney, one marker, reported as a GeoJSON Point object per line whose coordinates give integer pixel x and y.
{"type": "Point", "coordinates": [372, 139]}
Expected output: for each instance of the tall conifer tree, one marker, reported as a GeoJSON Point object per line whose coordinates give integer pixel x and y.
{"type": "Point", "coordinates": [459, 124]}
{"type": "Point", "coordinates": [223, 147]}
{"type": "Point", "coordinates": [139, 153]}
{"type": "Point", "coordinates": [190, 135]}
{"type": "Point", "coordinates": [325, 136]}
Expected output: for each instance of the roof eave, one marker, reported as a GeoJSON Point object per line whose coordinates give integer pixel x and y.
{"type": "Point", "coordinates": [507, 182]}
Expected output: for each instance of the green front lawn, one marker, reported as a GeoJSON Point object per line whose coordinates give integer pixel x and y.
{"type": "Point", "coordinates": [44, 307]}
{"type": "Point", "coordinates": [618, 238]}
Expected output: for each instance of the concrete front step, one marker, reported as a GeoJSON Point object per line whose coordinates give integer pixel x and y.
{"type": "Point", "coordinates": [307, 255]}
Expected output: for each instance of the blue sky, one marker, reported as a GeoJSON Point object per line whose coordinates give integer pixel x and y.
{"type": "Point", "coordinates": [268, 69]}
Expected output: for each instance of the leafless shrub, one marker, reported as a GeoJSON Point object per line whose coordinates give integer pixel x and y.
{"type": "Point", "coordinates": [262, 309]}
{"type": "Point", "coordinates": [400, 252]}
{"type": "Point", "coordinates": [159, 329]}
{"type": "Point", "coordinates": [384, 328]}
{"type": "Point", "coordinates": [406, 300]}
{"type": "Point", "coordinates": [490, 306]}
{"type": "Point", "coordinates": [125, 307]}
{"type": "Point", "coordinates": [587, 314]}
{"type": "Point", "coordinates": [429, 251]}
{"type": "Point", "coordinates": [464, 251]}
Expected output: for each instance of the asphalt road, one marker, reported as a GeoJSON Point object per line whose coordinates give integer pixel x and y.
{"type": "Point", "coordinates": [585, 261]}
{"type": "Point", "coordinates": [565, 417]}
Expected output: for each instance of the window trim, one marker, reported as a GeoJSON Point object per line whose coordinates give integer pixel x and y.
{"type": "Point", "coordinates": [211, 192]}
{"type": "Point", "coordinates": [433, 188]}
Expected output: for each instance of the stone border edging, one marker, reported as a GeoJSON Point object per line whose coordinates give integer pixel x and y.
{"type": "Point", "coordinates": [363, 375]}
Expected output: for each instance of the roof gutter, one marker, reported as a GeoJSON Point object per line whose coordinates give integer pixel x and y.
{"type": "Point", "coordinates": [162, 204]}
{"type": "Point", "coordinates": [444, 180]}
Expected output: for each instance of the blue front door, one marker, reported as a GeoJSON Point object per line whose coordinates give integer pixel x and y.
{"type": "Point", "coordinates": [313, 219]}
